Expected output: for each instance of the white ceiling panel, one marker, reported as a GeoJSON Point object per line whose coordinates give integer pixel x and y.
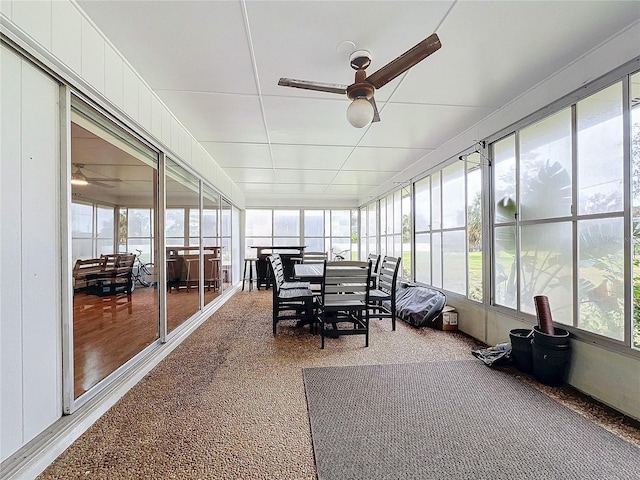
{"type": "Point", "coordinates": [251, 175]}
{"type": "Point", "coordinates": [294, 189]}
{"type": "Point", "coordinates": [216, 65]}
{"type": "Point", "coordinates": [383, 159]}
{"type": "Point", "coordinates": [308, 177]}
{"type": "Point", "coordinates": [310, 121]}
{"type": "Point", "coordinates": [180, 45]}
{"type": "Point", "coordinates": [407, 125]}
{"type": "Point", "coordinates": [359, 177]}
{"type": "Point", "coordinates": [352, 189]}
{"type": "Point", "coordinates": [239, 155]}
{"type": "Point", "coordinates": [218, 117]}
{"type": "Point", "coordinates": [315, 157]}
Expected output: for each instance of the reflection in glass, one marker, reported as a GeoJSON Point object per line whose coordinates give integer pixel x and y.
{"type": "Point", "coordinates": [505, 266]}
{"type": "Point", "coordinates": [226, 225]}
{"type": "Point", "coordinates": [372, 216]}
{"type": "Point", "coordinates": [454, 261]}
{"type": "Point", "coordinates": [182, 229]}
{"type": "Point", "coordinates": [212, 253]}
{"type": "Point", "coordinates": [601, 276]}
{"type": "Point", "coordinates": [114, 316]}
{"type": "Point", "coordinates": [436, 202]}
{"type": "Point", "coordinates": [546, 269]}
{"type": "Point", "coordinates": [504, 179]}
{"type": "Point", "coordinates": [600, 152]}
{"type": "Point", "coordinates": [453, 207]}
{"type": "Point", "coordinates": [406, 233]}
{"type": "Point", "coordinates": [545, 168]}
{"type": "Point", "coordinates": [423, 258]}
{"type": "Point", "coordinates": [422, 194]}
{"type": "Point", "coordinates": [436, 259]}
{"type": "Point", "coordinates": [474, 227]}
{"type": "Point", "coordinates": [635, 206]}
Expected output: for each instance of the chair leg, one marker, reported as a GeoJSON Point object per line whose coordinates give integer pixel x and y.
{"type": "Point", "coordinates": [244, 275]}
{"type": "Point", "coordinates": [366, 334]}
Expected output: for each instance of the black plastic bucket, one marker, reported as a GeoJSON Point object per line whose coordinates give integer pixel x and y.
{"type": "Point", "coordinates": [560, 337]}
{"type": "Point", "coordinates": [521, 349]}
{"type": "Point", "coordinates": [550, 362]}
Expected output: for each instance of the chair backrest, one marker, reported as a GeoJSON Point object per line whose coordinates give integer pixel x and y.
{"type": "Point", "coordinates": [375, 262]}
{"type": "Point", "coordinates": [346, 282]}
{"type": "Point", "coordinates": [314, 257]}
{"type": "Point", "coordinates": [277, 269]}
{"type": "Point", "coordinates": [388, 274]}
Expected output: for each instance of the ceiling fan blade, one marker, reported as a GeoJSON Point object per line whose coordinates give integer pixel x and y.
{"type": "Point", "coordinates": [405, 61]}
{"type": "Point", "coordinates": [100, 184]}
{"type": "Point", "coordinates": [318, 86]}
{"type": "Point", "coordinates": [376, 115]}
{"type": "Point", "coordinates": [98, 179]}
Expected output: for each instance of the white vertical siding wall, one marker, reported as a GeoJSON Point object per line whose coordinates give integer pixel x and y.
{"type": "Point", "coordinates": [30, 325]}
{"type": "Point", "coordinates": [58, 33]}
{"type": "Point", "coordinates": [72, 41]}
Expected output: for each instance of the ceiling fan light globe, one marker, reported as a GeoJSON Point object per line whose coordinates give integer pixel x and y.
{"type": "Point", "coordinates": [360, 113]}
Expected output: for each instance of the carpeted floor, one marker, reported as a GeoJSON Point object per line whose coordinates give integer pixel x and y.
{"type": "Point", "coordinates": [459, 420]}
{"type": "Point", "coordinates": [229, 403]}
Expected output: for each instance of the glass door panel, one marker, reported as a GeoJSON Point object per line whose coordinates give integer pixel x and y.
{"type": "Point", "coordinates": [115, 317]}
{"type": "Point", "coordinates": [182, 230]}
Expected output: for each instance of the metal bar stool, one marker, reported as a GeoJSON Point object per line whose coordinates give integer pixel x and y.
{"type": "Point", "coordinates": [251, 263]}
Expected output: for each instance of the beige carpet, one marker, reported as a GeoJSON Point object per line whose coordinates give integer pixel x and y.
{"type": "Point", "coordinates": [229, 403]}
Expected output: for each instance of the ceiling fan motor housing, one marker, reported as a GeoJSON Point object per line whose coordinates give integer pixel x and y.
{"type": "Point", "coordinates": [360, 88]}
{"type": "Point", "coordinates": [360, 59]}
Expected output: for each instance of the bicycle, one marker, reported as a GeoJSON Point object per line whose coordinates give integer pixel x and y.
{"type": "Point", "coordinates": [142, 273]}
{"type": "Point", "coordinates": [338, 256]}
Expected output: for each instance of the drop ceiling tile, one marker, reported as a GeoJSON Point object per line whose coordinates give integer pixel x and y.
{"type": "Point", "coordinates": [287, 189]}
{"type": "Point", "coordinates": [305, 177]}
{"type": "Point", "coordinates": [352, 189]}
{"type": "Point", "coordinates": [383, 159]}
{"type": "Point", "coordinates": [251, 175]}
{"type": "Point", "coordinates": [246, 155]}
{"type": "Point", "coordinates": [420, 126]}
{"type": "Point", "coordinates": [309, 121]}
{"type": "Point", "coordinates": [371, 178]}
{"type": "Point", "coordinates": [175, 45]}
{"type": "Point", "coordinates": [313, 157]}
{"type": "Point", "coordinates": [215, 117]}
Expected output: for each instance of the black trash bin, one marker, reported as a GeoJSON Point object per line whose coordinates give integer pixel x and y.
{"type": "Point", "coordinates": [521, 349]}
{"type": "Point", "coordinates": [551, 355]}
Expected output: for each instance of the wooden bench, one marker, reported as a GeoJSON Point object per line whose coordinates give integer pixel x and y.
{"type": "Point", "coordinates": [84, 268]}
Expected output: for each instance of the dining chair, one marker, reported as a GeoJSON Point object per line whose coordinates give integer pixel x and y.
{"type": "Point", "coordinates": [375, 264]}
{"type": "Point", "coordinates": [382, 299]}
{"type": "Point", "coordinates": [290, 302]}
{"type": "Point", "coordinates": [343, 302]}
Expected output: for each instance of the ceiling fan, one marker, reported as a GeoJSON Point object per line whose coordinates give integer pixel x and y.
{"type": "Point", "coordinates": [79, 178]}
{"type": "Point", "coordinates": [363, 109]}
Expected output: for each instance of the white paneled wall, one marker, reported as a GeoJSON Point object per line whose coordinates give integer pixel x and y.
{"type": "Point", "coordinates": [57, 33]}
{"type": "Point", "coordinates": [73, 42]}
{"type": "Point", "coordinates": [30, 304]}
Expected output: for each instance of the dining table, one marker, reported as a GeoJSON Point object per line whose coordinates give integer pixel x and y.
{"type": "Point", "coordinates": [290, 255]}
{"type": "Point", "coordinates": [309, 272]}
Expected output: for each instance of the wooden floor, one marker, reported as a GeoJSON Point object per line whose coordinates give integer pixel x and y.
{"type": "Point", "coordinates": [108, 331]}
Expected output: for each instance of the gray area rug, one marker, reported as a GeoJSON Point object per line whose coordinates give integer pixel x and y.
{"type": "Point", "coordinates": [452, 420]}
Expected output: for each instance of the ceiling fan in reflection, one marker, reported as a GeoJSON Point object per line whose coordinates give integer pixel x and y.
{"type": "Point", "coordinates": [78, 178]}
